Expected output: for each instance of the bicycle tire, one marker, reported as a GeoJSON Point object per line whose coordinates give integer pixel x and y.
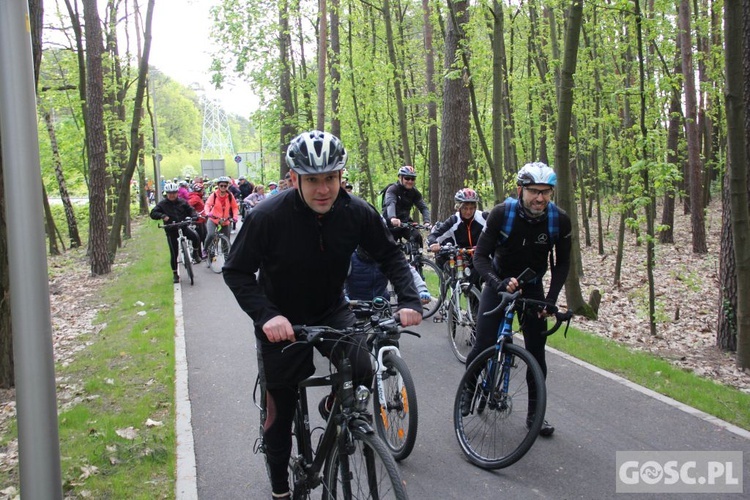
{"type": "Point", "coordinates": [186, 260]}
{"type": "Point", "coordinates": [493, 434]}
{"type": "Point", "coordinates": [397, 421]}
{"type": "Point", "coordinates": [462, 328]}
{"type": "Point", "coordinates": [220, 247]}
{"type": "Point", "coordinates": [371, 467]}
{"type": "Point", "coordinates": [296, 472]}
{"type": "Point", "coordinates": [433, 277]}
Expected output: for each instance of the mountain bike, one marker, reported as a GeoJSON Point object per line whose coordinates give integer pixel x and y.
{"type": "Point", "coordinates": [427, 269]}
{"type": "Point", "coordinates": [459, 300]}
{"type": "Point", "coordinates": [184, 246]}
{"type": "Point", "coordinates": [500, 403]}
{"type": "Point", "coordinates": [218, 248]}
{"type": "Point", "coordinates": [396, 411]}
{"type": "Point", "coordinates": [349, 460]}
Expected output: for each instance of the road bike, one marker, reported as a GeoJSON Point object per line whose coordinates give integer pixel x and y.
{"type": "Point", "coordinates": [184, 246]}
{"type": "Point", "coordinates": [218, 248]}
{"type": "Point", "coordinates": [459, 300]}
{"type": "Point", "coordinates": [396, 412]}
{"type": "Point", "coordinates": [427, 269]}
{"type": "Point", "coordinates": [501, 400]}
{"type": "Point", "coordinates": [350, 460]}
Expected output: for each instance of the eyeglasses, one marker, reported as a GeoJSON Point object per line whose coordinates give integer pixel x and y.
{"type": "Point", "coordinates": [410, 178]}
{"type": "Point", "coordinates": [546, 193]}
{"type": "Point", "coordinates": [223, 185]}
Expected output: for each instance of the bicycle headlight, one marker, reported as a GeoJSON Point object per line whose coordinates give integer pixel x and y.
{"type": "Point", "coordinates": [362, 397]}
{"type": "Point", "coordinates": [467, 271]}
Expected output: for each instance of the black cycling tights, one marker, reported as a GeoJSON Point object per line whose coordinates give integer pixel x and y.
{"type": "Point", "coordinates": [281, 402]}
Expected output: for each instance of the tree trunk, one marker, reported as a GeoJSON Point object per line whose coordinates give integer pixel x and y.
{"type": "Point", "coordinates": [673, 144]}
{"type": "Point", "coordinates": [697, 219]}
{"type": "Point", "coordinates": [320, 122]}
{"type": "Point", "coordinates": [432, 132]}
{"type": "Point", "coordinates": [454, 141]}
{"type": "Point", "coordinates": [334, 65]}
{"type": "Point", "coordinates": [738, 140]}
{"type": "Point", "coordinates": [75, 239]}
{"type": "Point", "coordinates": [566, 195]}
{"type": "Point", "coordinates": [122, 209]}
{"type": "Point", "coordinates": [7, 368]}
{"type": "Point", "coordinates": [286, 118]}
{"type": "Point", "coordinates": [96, 141]}
{"type": "Point", "coordinates": [397, 80]}
{"type": "Point", "coordinates": [726, 324]}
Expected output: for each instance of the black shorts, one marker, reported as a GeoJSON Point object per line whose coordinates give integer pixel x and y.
{"type": "Point", "coordinates": [287, 368]}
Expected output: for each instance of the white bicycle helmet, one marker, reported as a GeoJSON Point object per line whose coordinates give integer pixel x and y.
{"type": "Point", "coordinates": [223, 178]}
{"type": "Point", "coordinates": [171, 187]}
{"type": "Point", "coordinates": [316, 152]}
{"type": "Point", "coordinates": [536, 173]}
{"type": "Point", "coordinates": [466, 195]}
{"type": "Point", "coordinates": [407, 170]}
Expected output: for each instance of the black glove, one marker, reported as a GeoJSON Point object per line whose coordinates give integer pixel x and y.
{"type": "Point", "coordinates": [498, 285]}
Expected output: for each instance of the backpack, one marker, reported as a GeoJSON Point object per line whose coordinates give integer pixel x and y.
{"type": "Point", "coordinates": [382, 196]}
{"type": "Point", "coordinates": [553, 221]}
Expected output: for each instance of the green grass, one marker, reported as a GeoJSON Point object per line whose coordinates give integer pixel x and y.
{"type": "Point", "coordinates": [657, 374]}
{"type": "Point", "coordinates": [127, 378]}
{"type": "Point", "coordinates": [123, 378]}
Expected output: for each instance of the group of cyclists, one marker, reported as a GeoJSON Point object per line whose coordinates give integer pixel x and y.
{"type": "Point", "coordinates": [210, 204]}
{"type": "Point", "coordinates": [289, 266]}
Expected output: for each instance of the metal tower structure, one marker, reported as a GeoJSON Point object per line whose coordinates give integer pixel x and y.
{"type": "Point", "coordinates": [217, 140]}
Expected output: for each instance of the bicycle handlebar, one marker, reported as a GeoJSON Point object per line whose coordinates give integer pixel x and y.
{"type": "Point", "coordinates": [560, 317]}
{"type": "Point", "coordinates": [186, 222]}
{"type": "Point", "coordinates": [454, 250]}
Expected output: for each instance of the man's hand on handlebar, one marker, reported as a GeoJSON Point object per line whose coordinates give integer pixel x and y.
{"type": "Point", "coordinates": [278, 329]}
{"type": "Point", "coordinates": [395, 222]}
{"type": "Point", "coordinates": [409, 317]}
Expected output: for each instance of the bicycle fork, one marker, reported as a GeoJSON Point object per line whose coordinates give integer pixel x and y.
{"type": "Point", "coordinates": [384, 404]}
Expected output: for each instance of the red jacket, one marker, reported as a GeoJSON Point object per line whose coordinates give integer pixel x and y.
{"type": "Point", "coordinates": [195, 200]}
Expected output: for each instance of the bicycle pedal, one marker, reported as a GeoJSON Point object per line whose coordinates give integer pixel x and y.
{"type": "Point", "coordinates": [438, 320]}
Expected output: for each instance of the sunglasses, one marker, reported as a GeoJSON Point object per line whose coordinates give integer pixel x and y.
{"type": "Point", "coordinates": [410, 178]}
{"type": "Point", "coordinates": [223, 185]}
{"type": "Point", "coordinates": [536, 192]}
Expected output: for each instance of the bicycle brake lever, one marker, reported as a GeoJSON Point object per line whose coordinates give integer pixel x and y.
{"type": "Point", "coordinates": [411, 333]}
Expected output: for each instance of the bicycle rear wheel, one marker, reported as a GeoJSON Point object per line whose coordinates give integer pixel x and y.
{"type": "Point", "coordinates": [490, 420]}
{"type": "Point", "coordinates": [219, 252]}
{"type": "Point", "coordinates": [367, 471]}
{"type": "Point", "coordinates": [397, 419]}
{"type": "Point", "coordinates": [186, 259]}
{"type": "Point", "coordinates": [462, 320]}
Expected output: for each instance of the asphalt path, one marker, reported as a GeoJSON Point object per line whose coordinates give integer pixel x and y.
{"type": "Point", "coordinates": [595, 415]}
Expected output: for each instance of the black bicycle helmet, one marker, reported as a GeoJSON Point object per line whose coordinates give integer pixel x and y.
{"type": "Point", "coordinates": [316, 152]}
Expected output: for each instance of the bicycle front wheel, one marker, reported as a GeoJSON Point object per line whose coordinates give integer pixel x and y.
{"type": "Point", "coordinates": [433, 278]}
{"type": "Point", "coordinates": [219, 252]}
{"type": "Point", "coordinates": [186, 259]}
{"type": "Point", "coordinates": [361, 467]}
{"type": "Point", "coordinates": [397, 418]}
{"type": "Point", "coordinates": [499, 406]}
{"type": "Point", "coordinates": [463, 307]}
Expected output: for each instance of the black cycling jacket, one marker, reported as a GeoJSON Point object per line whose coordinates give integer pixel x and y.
{"type": "Point", "coordinates": [458, 231]}
{"type": "Point", "coordinates": [304, 258]}
{"type": "Point", "coordinates": [399, 201]}
{"type": "Point", "coordinates": [177, 210]}
{"type": "Point", "coordinates": [527, 246]}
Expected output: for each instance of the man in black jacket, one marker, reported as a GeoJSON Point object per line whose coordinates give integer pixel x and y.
{"type": "Point", "coordinates": [174, 209]}
{"type": "Point", "coordinates": [499, 258]}
{"type": "Point", "coordinates": [399, 200]}
{"type": "Point", "coordinates": [301, 241]}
